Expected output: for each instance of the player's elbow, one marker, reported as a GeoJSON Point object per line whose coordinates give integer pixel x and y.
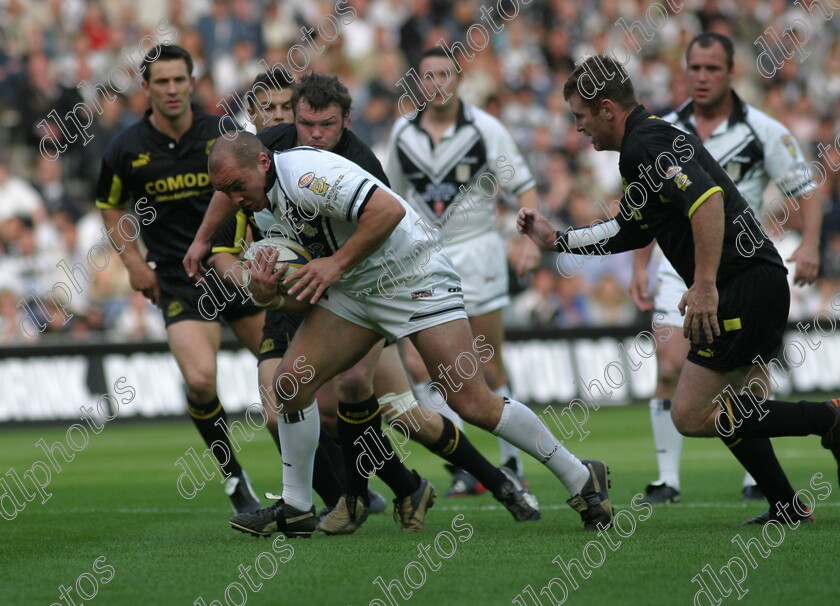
{"type": "Point", "coordinates": [398, 212]}
{"type": "Point", "coordinates": [390, 211]}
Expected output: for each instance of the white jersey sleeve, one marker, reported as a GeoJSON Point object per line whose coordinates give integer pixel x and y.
{"type": "Point", "coordinates": [784, 161]}
{"type": "Point", "coordinates": [325, 184]}
{"type": "Point", "coordinates": [317, 200]}
{"type": "Point", "coordinates": [505, 160]}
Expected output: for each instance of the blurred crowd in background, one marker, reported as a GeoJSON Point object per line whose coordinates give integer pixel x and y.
{"type": "Point", "coordinates": [49, 47]}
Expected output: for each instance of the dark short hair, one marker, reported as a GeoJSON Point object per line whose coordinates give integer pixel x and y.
{"type": "Point", "coordinates": [707, 39]}
{"type": "Point", "coordinates": [274, 79]}
{"type": "Point", "coordinates": [435, 51]}
{"type": "Point", "coordinates": [605, 77]}
{"type": "Point", "coordinates": [165, 52]}
{"type": "Point", "coordinates": [320, 91]}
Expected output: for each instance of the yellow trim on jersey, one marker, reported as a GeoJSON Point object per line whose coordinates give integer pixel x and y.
{"type": "Point", "coordinates": [703, 198]}
{"type": "Point", "coordinates": [239, 236]}
{"type": "Point", "coordinates": [732, 324]}
{"type": "Point", "coordinates": [114, 195]}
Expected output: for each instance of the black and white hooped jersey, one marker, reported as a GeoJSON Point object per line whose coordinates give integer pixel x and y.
{"type": "Point", "coordinates": [455, 183]}
{"type": "Point", "coordinates": [753, 149]}
{"type": "Point", "coordinates": [317, 198]}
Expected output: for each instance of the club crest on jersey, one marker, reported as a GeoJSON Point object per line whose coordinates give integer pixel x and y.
{"type": "Point", "coordinates": [787, 141]}
{"type": "Point", "coordinates": [681, 180]}
{"type": "Point", "coordinates": [733, 169]}
{"type": "Point", "coordinates": [318, 185]}
{"type": "Point", "coordinates": [462, 173]}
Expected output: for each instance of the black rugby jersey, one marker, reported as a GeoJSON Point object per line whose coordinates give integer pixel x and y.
{"type": "Point", "coordinates": [667, 175]}
{"type": "Point", "coordinates": [281, 137]}
{"type": "Point", "coordinates": [166, 180]}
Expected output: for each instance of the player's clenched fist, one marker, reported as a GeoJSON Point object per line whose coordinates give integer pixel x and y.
{"type": "Point", "coordinates": [531, 223]}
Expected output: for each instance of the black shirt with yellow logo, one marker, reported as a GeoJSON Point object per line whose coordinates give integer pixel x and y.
{"type": "Point", "coordinates": [667, 175]}
{"type": "Point", "coordinates": [166, 183]}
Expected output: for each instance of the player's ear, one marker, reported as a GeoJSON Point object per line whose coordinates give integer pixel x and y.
{"type": "Point", "coordinates": [607, 108]}
{"type": "Point", "coordinates": [264, 161]}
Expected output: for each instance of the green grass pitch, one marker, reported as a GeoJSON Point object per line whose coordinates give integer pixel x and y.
{"type": "Point", "coordinates": [117, 527]}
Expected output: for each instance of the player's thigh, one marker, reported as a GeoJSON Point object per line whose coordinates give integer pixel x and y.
{"type": "Point", "coordinates": [248, 329]}
{"type": "Point", "coordinates": [694, 407]}
{"type": "Point", "coordinates": [194, 344]}
{"type": "Point", "coordinates": [491, 331]}
{"type": "Point", "coordinates": [447, 349]}
{"type": "Point", "coordinates": [389, 375]}
{"type": "Point", "coordinates": [414, 365]}
{"type": "Point", "coordinates": [324, 346]}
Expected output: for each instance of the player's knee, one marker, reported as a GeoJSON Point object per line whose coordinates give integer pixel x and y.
{"type": "Point", "coordinates": [200, 385]}
{"type": "Point", "coordinates": [290, 391]}
{"type": "Point", "coordinates": [494, 374]}
{"type": "Point", "coordinates": [687, 424]}
{"type": "Point", "coordinates": [669, 372]}
{"type": "Point", "coordinates": [353, 386]}
{"type": "Point", "coordinates": [477, 411]}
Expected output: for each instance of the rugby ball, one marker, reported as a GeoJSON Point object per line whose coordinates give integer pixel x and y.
{"type": "Point", "coordinates": [289, 251]}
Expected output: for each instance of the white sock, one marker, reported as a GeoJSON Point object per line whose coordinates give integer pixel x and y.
{"type": "Point", "coordinates": [668, 442]}
{"type": "Point", "coordinates": [298, 433]}
{"type": "Point", "coordinates": [521, 427]}
{"type": "Point", "coordinates": [507, 450]}
{"type": "Point", "coordinates": [432, 400]}
{"type": "Point", "coordinates": [749, 480]}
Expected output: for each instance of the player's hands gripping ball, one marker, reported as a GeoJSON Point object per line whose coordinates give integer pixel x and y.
{"type": "Point", "coordinates": [269, 263]}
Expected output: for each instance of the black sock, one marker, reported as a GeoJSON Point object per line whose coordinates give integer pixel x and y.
{"type": "Point", "coordinates": [325, 481]}
{"type": "Point", "coordinates": [455, 447]}
{"type": "Point", "coordinates": [757, 457]}
{"type": "Point", "coordinates": [774, 418]}
{"type": "Point", "coordinates": [366, 449]}
{"type": "Point", "coordinates": [205, 416]}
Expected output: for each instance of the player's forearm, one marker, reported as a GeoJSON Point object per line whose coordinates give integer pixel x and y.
{"type": "Point", "coordinates": [598, 239]}
{"type": "Point", "coordinates": [707, 227]}
{"type": "Point", "coordinates": [641, 258]}
{"type": "Point", "coordinates": [219, 211]}
{"type": "Point", "coordinates": [380, 217]}
{"type": "Point", "coordinates": [529, 199]}
{"type": "Point", "coordinates": [810, 213]}
{"type": "Point", "coordinates": [129, 251]}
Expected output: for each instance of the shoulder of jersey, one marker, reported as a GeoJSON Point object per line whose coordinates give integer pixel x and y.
{"type": "Point", "coordinates": [275, 137]}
